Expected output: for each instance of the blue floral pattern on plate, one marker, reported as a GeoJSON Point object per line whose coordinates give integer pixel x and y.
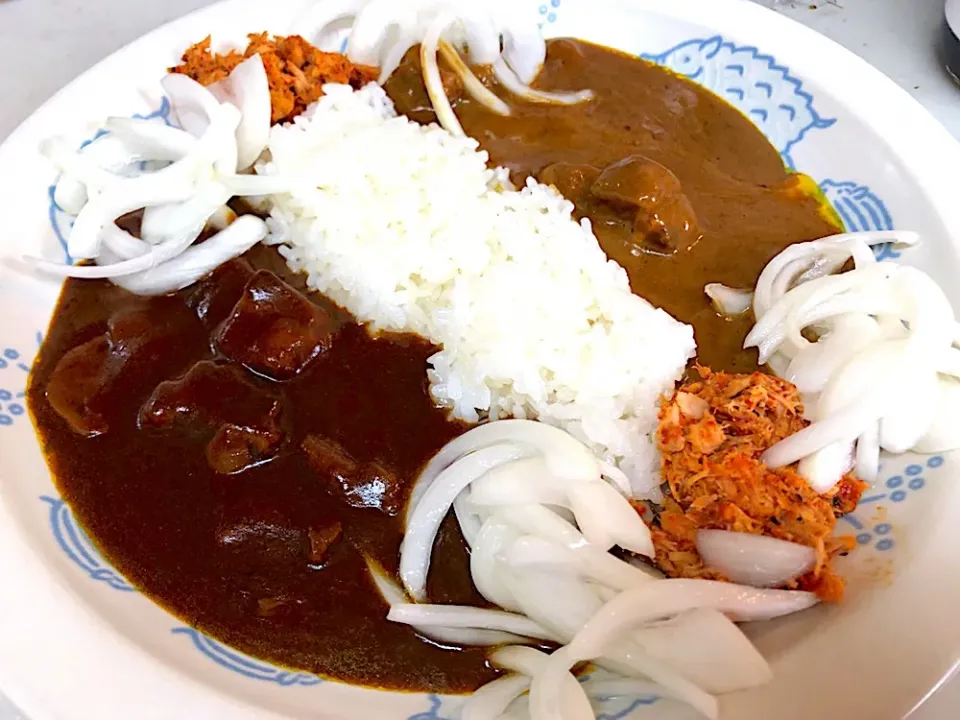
{"type": "Point", "coordinates": [548, 12]}
{"type": "Point", "coordinates": [14, 368]}
{"type": "Point", "coordinates": [608, 708]}
{"type": "Point", "coordinates": [895, 489]}
{"type": "Point", "coordinates": [77, 546]}
{"type": "Point", "coordinates": [248, 667]}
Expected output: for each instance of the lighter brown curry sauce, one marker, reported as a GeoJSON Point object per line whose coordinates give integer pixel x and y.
{"type": "Point", "coordinates": [245, 502]}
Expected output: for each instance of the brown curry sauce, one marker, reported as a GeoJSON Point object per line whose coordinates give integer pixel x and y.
{"type": "Point", "coordinates": [236, 451]}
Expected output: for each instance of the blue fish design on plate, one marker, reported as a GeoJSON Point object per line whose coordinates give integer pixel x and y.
{"type": "Point", "coordinates": [755, 83]}
{"type": "Point", "coordinates": [860, 210]}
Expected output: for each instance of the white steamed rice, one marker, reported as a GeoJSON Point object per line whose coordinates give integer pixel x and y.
{"type": "Point", "coordinates": [407, 228]}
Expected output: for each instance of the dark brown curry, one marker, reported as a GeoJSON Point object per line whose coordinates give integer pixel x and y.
{"type": "Point", "coordinates": [238, 449]}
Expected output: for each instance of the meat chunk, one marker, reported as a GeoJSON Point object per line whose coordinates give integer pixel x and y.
{"type": "Point", "coordinates": [711, 435]}
{"type": "Point", "coordinates": [571, 180]}
{"type": "Point", "coordinates": [244, 418]}
{"type": "Point", "coordinates": [79, 386]}
{"type": "Point", "coordinates": [322, 541]}
{"type": "Point", "coordinates": [274, 330]}
{"type": "Point", "coordinates": [213, 297]}
{"type": "Point", "coordinates": [663, 216]}
{"type": "Point", "coordinates": [235, 448]}
{"type": "Point", "coordinates": [359, 485]}
{"type": "Point", "coordinates": [260, 538]}
{"type": "Point", "coordinates": [77, 382]}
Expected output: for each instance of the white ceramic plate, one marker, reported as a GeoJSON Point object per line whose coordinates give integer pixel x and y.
{"type": "Point", "coordinates": [76, 641]}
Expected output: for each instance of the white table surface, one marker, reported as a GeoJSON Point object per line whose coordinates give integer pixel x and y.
{"type": "Point", "coordinates": [46, 43]}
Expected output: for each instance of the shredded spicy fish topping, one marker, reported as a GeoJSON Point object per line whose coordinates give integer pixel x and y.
{"type": "Point", "coordinates": [296, 70]}
{"type": "Point", "coordinates": [711, 435]}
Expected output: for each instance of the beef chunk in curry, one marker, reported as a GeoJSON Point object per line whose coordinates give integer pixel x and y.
{"type": "Point", "coordinates": [87, 377]}
{"type": "Point", "coordinates": [218, 399]}
{"type": "Point", "coordinates": [636, 193]}
{"type": "Point", "coordinates": [214, 297]}
{"type": "Point", "coordinates": [359, 485]}
{"type": "Point", "coordinates": [274, 330]}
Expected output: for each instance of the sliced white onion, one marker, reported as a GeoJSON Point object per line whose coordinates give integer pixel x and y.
{"type": "Point", "coordinates": [533, 553]}
{"type": "Point", "coordinates": [467, 518]}
{"type": "Point", "coordinates": [867, 457]}
{"type": "Point", "coordinates": [650, 602]}
{"type": "Point", "coordinates": [76, 165]}
{"type": "Point", "coordinates": [566, 457]}
{"type": "Point", "coordinates": [481, 35]}
{"type": "Point", "coordinates": [369, 32]}
{"type": "Point", "coordinates": [431, 75]}
{"type": "Point", "coordinates": [620, 687]}
{"type": "Point", "coordinates": [393, 594]}
{"type": "Point", "coordinates": [825, 468]}
{"type": "Point", "coordinates": [812, 368]}
{"type": "Point", "coordinates": [183, 218]}
{"type": "Point", "coordinates": [198, 260]}
{"type": "Point", "coordinates": [538, 520]}
{"type": "Point", "coordinates": [69, 194]}
{"type": "Point", "coordinates": [560, 603]}
{"type": "Point", "coordinates": [123, 244]}
{"type": "Point", "coordinates": [495, 537]}
{"type": "Point", "coordinates": [457, 637]}
{"type": "Point", "coordinates": [708, 649]}
{"type": "Point", "coordinates": [493, 699]}
{"type": "Point", "coordinates": [838, 245]}
{"type": "Point", "coordinates": [630, 660]}
{"type": "Point", "coordinates": [727, 300]}
{"type": "Point", "coordinates": [522, 481]}
{"type": "Point", "coordinates": [842, 426]}
{"type": "Point", "coordinates": [149, 139]}
{"type": "Point", "coordinates": [193, 104]}
{"type": "Point", "coordinates": [425, 518]}
{"type": "Point", "coordinates": [508, 78]}
{"type": "Point", "coordinates": [471, 83]}
{"type": "Point", "coordinates": [756, 560]}
{"type": "Point", "coordinates": [524, 49]}
{"type": "Point", "coordinates": [247, 87]}
{"type": "Point", "coordinates": [605, 519]}
{"type": "Point", "coordinates": [317, 20]}
{"type": "Point", "coordinates": [668, 598]}
{"type": "Point", "coordinates": [944, 433]}
{"type": "Point", "coordinates": [123, 198]}
{"type": "Point", "coordinates": [462, 616]}
{"type": "Point", "coordinates": [530, 662]}
{"type": "Point", "coordinates": [392, 55]}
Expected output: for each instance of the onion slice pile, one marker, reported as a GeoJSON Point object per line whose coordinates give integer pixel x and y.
{"type": "Point", "coordinates": [496, 34]}
{"type": "Point", "coordinates": [180, 177]}
{"type": "Point", "coordinates": [541, 516]}
{"type": "Point", "coordinates": [884, 371]}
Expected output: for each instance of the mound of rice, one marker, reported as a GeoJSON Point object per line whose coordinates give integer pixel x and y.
{"type": "Point", "coordinates": [407, 228]}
